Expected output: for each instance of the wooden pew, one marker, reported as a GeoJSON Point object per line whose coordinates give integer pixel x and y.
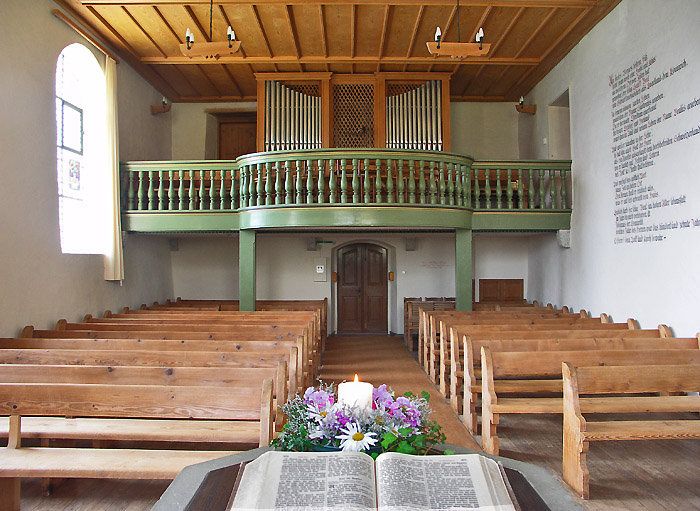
{"type": "Point", "coordinates": [438, 364]}
{"type": "Point", "coordinates": [245, 432]}
{"type": "Point", "coordinates": [539, 372]}
{"type": "Point", "coordinates": [133, 403]}
{"type": "Point", "coordinates": [599, 383]}
{"type": "Point", "coordinates": [429, 321]}
{"type": "Point", "coordinates": [261, 305]}
{"type": "Point", "coordinates": [470, 376]}
{"type": "Point", "coordinates": [308, 357]}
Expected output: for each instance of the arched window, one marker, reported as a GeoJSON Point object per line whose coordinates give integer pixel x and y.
{"type": "Point", "coordinates": [81, 151]}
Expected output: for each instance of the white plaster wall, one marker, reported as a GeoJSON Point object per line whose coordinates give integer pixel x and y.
{"type": "Point", "coordinates": [38, 284]}
{"type": "Point", "coordinates": [205, 267]}
{"type": "Point", "coordinates": [501, 256]}
{"type": "Point", "coordinates": [655, 283]}
{"type": "Point", "coordinates": [486, 131]}
{"type": "Point", "coordinates": [194, 130]}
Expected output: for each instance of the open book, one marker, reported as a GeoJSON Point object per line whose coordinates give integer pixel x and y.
{"type": "Point", "coordinates": [296, 481]}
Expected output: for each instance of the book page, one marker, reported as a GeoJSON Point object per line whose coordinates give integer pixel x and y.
{"type": "Point", "coordinates": [296, 481]}
{"type": "Point", "coordinates": [466, 481]}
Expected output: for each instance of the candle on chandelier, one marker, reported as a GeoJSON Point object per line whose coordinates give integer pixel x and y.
{"type": "Point", "coordinates": [356, 394]}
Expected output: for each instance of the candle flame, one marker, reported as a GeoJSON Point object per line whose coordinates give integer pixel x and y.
{"type": "Point", "coordinates": [356, 378]}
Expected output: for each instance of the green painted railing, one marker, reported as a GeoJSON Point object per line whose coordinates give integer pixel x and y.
{"type": "Point", "coordinates": [346, 176]}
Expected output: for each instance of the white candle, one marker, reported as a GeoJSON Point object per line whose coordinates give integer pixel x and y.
{"type": "Point", "coordinates": [356, 394]}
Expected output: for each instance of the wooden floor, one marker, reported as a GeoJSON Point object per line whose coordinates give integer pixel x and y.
{"type": "Point", "coordinates": [651, 475]}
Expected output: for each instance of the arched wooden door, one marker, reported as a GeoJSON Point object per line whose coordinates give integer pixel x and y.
{"type": "Point", "coordinates": [362, 288]}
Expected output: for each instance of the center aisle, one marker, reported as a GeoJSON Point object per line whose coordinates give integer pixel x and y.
{"type": "Point", "coordinates": [384, 359]}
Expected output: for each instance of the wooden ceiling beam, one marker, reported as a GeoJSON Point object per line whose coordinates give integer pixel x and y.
{"type": "Point", "coordinates": [412, 43]}
{"type": "Point", "coordinates": [233, 80]}
{"type": "Point", "coordinates": [144, 32]}
{"type": "Point", "coordinates": [293, 31]}
{"type": "Point", "coordinates": [496, 3]}
{"type": "Point", "coordinates": [535, 32]}
{"type": "Point", "coordinates": [324, 40]}
{"type": "Point", "coordinates": [358, 59]}
{"type": "Point", "coordinates": [195, 20]}
{"type": "Point", "coordinates": [382, 40]}
{"type": "Point", "coordinates": [262, 31]}
{"type": "Point", "coordinates": [549, 50]}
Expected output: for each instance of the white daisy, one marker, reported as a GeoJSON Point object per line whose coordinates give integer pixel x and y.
{"type": "Point", "coordinates": [353, 439]}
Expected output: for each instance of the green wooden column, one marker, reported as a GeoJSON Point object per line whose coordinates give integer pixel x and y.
{"type": "Point", "coordinates": [463, 270]}
{"type": "Point", "coordinates": [246, 269]}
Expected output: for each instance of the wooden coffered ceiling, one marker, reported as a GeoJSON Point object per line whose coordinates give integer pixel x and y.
{"type": "Point", "coordinates": [528, 38]}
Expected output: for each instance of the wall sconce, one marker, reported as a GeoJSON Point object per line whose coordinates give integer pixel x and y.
{"type": "Point", "coordinates": [525, 109]}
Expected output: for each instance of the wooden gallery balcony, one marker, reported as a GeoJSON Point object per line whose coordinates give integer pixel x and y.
{"type": "Point", "coordinates": [346, 189]}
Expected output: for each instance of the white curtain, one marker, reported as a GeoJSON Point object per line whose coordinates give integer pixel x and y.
{"type": "Point", "coordinates": [113, 257]}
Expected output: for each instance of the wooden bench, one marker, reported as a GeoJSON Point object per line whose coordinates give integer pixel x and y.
{"type": "Point", "coordinates": [599, 383]}
{"type": "Point", "coordinates": [173, 405]}
{"type": "Point", "coordinates": [467, 382]}
{"type": "Point", "coordinates": [438, 363]}
{"type": "Point", "coordinates": [429, 331]}
{"type": "Point", "coordinates": [539, 372]}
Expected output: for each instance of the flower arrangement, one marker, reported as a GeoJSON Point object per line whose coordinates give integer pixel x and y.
{"type": "Point", "coordinates": [317, 421]}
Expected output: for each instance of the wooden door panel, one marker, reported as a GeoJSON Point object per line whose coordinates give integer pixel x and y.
{"type": "Point", "coordinates": [362, 288]}
{"type": "Point", "coordinates": [237, 135]}
{"type": "Point", "coordinates": [350, 289]}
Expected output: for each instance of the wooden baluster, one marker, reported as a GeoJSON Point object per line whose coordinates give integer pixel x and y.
{"type": "Point", "coordinates": [368, 183]}
{"type": "Point", "coordinates": [562, 173]}
{"type": "Point", "coordinates": [191, 194]}
{"type": "Point", "coordinates": [477, 189]}
{"type": "Point", "coordinates": [212, 189]}
{"type": "Point", "coordinates": [202, 189]}
{"type": "Point", "coordinates": [531, 189]}
{"type": "Point", "coordinates": [279, 184]}
{"type": "Point", "coordinates": [433, 184]}
{"type": "Point", "coordinates": [223, 192]}
{"type": "Point", "coordinates": [288, 184]}
{"type": "Point", "coordinates": [151, 191]}
{"type": "Point", "coordinates": [450, 185]}
{"type": "Point", "coordinates": [321, 182]}
{"type": "Point", "coordinates": [309, 182]}
{"type": "Point", "coordinates": [300, 183]}
{"type": "Point", "coordinates": [389, 182]}
{"type": "Point", "coordinates": [487, 187]}
{"type": "Point", "coordinates": [343, 181]}
{"type": "Point", "coordinates": [441, 183]}
{"type": "Point", "coordinates": [459, 198]}
{"type": "Point", "coordinates": [270, 185]}
{"type": "Point", "coordinates": [411, 182]}
{"type": "Point", "coordinates": [399, 183]}
{"type": "Point", "coordinates": [243, 182]}
{"type": "Point", "coordinates": [171, 191]}
{"type": "Point", "coordinates": [378, 185]}
{"type": "Point", "coordinates": [141, 193]}
{"type": "Point", "coordinates": [552, 189]}
{"type": "Point", "coordinates": [131, 191]}
{"type": "Point", "coordinates": [235, 203]}
{"type": "Point", "coordinates": [499, 189]}
{"type": "Point", "coordinates": [333, 184]}
{"type": "Point", "coordinates": [543, 200]}
{"type": "Point", "coordinates": [521, 199]}
{"type": "Point", "coordinates": [467, 187]}
{"type": "Point", "coordinates": [258, 198]}
{"type": "Point", "coordinates": [421, 182]}
{"type": "Point", "coordinates": [161, 191]}
{"type": "Point", "coordinates": [256, 186]}
{"type": "Point", "coordinates": [181, 190]}
{"type": "Point", "coordinates": [355, 182]}
{"type": "Point", "coordinates": [509, 189]}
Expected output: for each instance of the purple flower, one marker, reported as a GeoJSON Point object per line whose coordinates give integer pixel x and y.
{"type": "Point", "coordinates": [320, 398]}
{"type": "Point", "coordinates": [381, 397]}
